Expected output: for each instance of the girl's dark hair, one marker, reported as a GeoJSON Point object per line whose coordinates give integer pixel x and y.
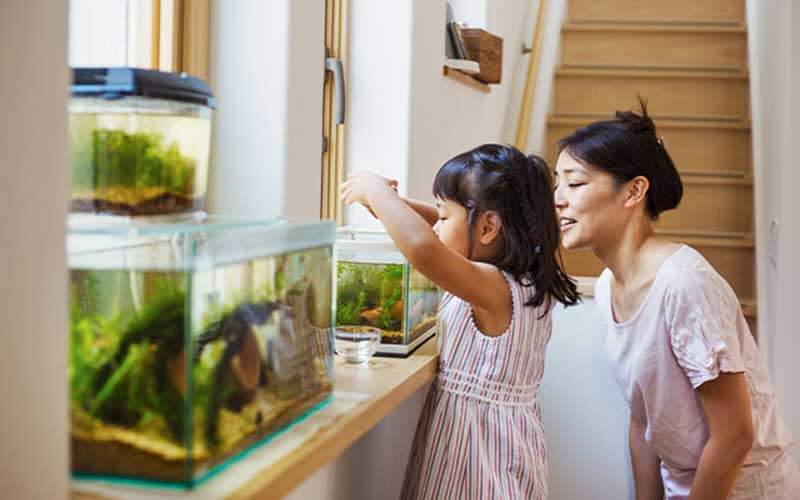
{"type": "Point", "coordinates": [519, 189]}
{"type": "Point", "coordinates": [627, 147]}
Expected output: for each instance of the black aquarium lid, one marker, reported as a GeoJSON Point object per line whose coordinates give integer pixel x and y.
{"type": "Point", "coordinates": [114, 83]}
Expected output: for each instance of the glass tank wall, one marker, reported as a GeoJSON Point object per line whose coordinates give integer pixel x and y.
{"type": "Point", "coordinates": [190, 343]}
{"type": "Point", "coordinates": [377, 287]}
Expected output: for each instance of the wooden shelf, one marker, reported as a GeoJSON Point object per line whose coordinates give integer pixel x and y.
{"type": "Point", "coordinates": [387, 381]}
{"type": "Point", "coordinates": [466, 79]}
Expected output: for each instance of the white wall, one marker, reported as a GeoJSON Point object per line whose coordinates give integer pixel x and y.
{"type": "Point", "coordinates": [267, 73]}
{"type": "Point", "coordinates": [584, 414]}
{"type": "Point", "coordinates": [406, 119]}
{"type": "Point", "coordinates": [446, 116]}
{"type": "Point", "coordinates": [774, 53]}
{"type": "Point", "coordinates": [33, 168]}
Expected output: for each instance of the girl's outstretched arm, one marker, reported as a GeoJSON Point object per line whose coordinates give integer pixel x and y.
{"type": "Point", "coordinates": [478, 283]}
{"type": "Point", "coordinates": [426, 210]}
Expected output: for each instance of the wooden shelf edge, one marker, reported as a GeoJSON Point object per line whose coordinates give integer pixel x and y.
{"type": "Point", "coordinates": [466, 79]}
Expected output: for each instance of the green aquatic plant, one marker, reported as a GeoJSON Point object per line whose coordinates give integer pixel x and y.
{"type": "Point", "coordinates": [108, 158]}
{"type": "Point", "coordinates": [368, 294]}
{"type": "Point", "coordinates": [137, 376]}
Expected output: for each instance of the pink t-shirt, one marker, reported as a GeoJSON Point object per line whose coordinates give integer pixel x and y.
{"type": "Point", "coordinates": [690, 328]}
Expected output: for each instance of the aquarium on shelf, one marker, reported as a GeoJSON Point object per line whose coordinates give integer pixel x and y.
{"type": "Point", "coordinates": [138, 142]}
{"type": "Point", "coordinates": [377, 287]}
{"type": "Point", "coordinates": [190, 343]}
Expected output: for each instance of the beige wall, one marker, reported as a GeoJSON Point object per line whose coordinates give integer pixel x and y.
{"type": "Point", "coordinates": [33, 352]}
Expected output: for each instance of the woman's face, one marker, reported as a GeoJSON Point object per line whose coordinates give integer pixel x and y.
{"type": "Point", "coordinates": [590, 207]}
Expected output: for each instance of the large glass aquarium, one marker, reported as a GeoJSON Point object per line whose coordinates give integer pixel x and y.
{"type": "Point", "coordinates": [377, 287]}
{"type": "Point", "coordinates": [191, 343]}
{"type": "Point", "coordinates": [138, 142]}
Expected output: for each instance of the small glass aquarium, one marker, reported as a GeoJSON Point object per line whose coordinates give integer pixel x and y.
{"type": "Point", "coordinates": [376, 287]}
{"type": "Point", "coordinates": [191, 343]}
{"type": "Point", "coordinates": [138, 142]}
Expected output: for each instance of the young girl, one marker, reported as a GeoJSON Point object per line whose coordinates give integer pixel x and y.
{"type": "Point", "coordinates": [493, 250]}
{"type": "Point", "coordinates": [703, 421]}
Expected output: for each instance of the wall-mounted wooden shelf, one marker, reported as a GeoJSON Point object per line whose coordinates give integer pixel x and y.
{"type": "Point", "coordinates": [466, 79]}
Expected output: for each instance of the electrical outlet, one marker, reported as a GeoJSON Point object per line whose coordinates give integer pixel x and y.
{"type": "Point", "coordinates": [772, 243]}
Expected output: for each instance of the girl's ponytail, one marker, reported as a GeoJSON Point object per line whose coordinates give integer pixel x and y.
{"type": "Point", "coordinates": [520, 189]}
{"type": "Point", "coordinates": [539, 211]}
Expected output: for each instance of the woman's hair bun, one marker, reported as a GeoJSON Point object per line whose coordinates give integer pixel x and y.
{"type": "Point", "coordinates": [635, 122]}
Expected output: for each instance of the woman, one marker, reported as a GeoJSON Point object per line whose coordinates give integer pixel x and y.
{"type": "Point", "coordinates": [703, 423]}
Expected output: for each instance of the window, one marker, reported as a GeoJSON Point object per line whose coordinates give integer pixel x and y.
{"type": "Point", "coordinates": [170, 35]}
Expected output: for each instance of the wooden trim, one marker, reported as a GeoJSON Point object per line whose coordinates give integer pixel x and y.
{"type": "Point", "coordinates": [177, 35]}
{"type": "Point", "coordinates": [180, 36]}
{"type": "Point", "coordinates": [333, 159]}
{"type": "Point", "coordinates": [659, 22]}
{"type": "Point", "coordinates": [195, 37]}
{"type": "Point", "coordinates": [581, 119]}
{"type": "Point", "coordinates": [635, 72]}
{"type": "Point", "coordinates": [585, 285]}
{"type": "Point", "coordinates": [155, 36]}
{"type": "Point", "coordinates": [524, 118]}
{"type": "Point", "coordinates": [655, 28]}
{"type": "Point", "coordinates": [466, 79]}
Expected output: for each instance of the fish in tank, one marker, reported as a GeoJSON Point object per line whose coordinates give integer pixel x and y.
{"type": "Point", "coordinates": [392, 297]}
{"type": "Point", "coordinates": [173, 373]}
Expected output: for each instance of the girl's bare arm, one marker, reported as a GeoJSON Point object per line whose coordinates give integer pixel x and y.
{"type": "Point", "coordinates": [425, 210]}
{"type": "Point", "coordinates": [478, 283]}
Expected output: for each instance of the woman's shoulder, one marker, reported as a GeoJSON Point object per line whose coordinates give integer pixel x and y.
{"type": "Point", "coordinates": [690, 278]}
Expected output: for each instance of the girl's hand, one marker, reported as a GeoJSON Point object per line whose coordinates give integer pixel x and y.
{"type": "Point", "coordinates": [361, 187]}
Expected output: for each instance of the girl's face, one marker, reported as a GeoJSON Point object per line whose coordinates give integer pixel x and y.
{"type": "Point", "coordinates": [589, 204]}
{"type": "Point", "coordinates": [453, 226]}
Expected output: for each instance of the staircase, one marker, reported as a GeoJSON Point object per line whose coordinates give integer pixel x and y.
{"type": "Point", "coordinates": [689, 58]}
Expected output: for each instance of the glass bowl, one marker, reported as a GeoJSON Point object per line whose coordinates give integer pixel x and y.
{"type": "Point", "coordinates": [357, 344]}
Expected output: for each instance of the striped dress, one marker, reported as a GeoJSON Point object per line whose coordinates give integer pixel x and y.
{"type": "Point", "coordinates": [480, 433]}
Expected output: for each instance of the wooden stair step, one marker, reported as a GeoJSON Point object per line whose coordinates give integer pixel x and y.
{"type": "Point", "coordinates": [684, 47]}
{"type": "Point", "coordinates": [713, 11]}
{"type": "Point", "coordinates": [712, 204]}
{"type": "Point", "coordinates": [721, 146]}
{"type": "Point", "coordinates": [670, 94]}
{"type": "Point", "coordinates": [731, 254]}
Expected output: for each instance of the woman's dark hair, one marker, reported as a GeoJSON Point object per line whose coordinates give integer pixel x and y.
{"type": "Point", "coordinates": [627, 147]}
{"type": "Point", "coordinates": [519, 189]}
